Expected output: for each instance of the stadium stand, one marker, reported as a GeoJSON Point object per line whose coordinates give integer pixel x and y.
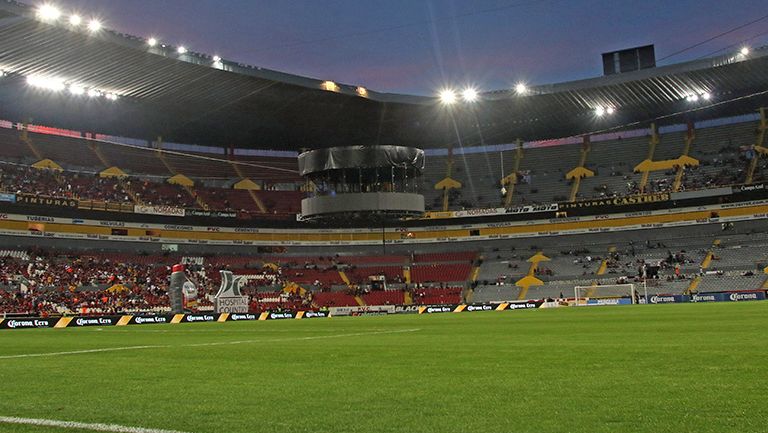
{"type": "Point", "coordinates": [721, 151]}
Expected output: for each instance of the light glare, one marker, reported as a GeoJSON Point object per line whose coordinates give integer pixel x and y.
{"type": "Point", "coordinates": [75, 20]}
{"type": "Point", "coordinates": [94, 25]}
{"type": "Point", "coordinates": [48, 12]}
{"type": "Point", "coordinates": [181, 50]}
{"type": "Point", "coordinates": [599, 111]}
{"type": "Point", "coordinates": [93, 93]}
{"type": "Point", "coordinates": [744, 51]}
{"type": "Point", "coordinates": [330, 86]}
{"type": "Point", "coordinates": [76, 89]}
{"type": "Point", "coordinates": [151, 42]}
{"type": "Point", "coordinates": [447, 96]}
{"type": "Point", "coordinates": [469, 95]}
{"type": "Point", "coordinates": [521, 88]}
{"type": "Point", "coordinates": [216, 59]}
{"type": "Point", "coordinates": [55, 84]}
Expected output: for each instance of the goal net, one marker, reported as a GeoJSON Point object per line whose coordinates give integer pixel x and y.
{"type": "Point", "coordinates": [609, 294]}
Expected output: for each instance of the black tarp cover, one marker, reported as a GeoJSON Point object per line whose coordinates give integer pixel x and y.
{"type": "Point", "coordinates": [335, 158]}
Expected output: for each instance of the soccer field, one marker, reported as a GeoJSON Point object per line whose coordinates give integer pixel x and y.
{"type": "Point", "coordinates": [666, 368]}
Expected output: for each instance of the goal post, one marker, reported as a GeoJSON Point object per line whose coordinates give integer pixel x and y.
{"type": "Point", "coordinates": [607, 294]}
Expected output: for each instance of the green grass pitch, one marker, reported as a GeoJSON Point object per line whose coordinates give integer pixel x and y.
{"type": "Point", "coordinates": [666, 368]}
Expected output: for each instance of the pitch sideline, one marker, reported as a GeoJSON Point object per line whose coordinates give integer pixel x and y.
{"type": "Point", "coordinates": [215, 343]}
{"type": "Point", "coordinates": [114, 428]}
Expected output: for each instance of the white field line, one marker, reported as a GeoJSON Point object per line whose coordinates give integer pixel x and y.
{"type": "Point", "coordinates": [77, 352]}
{"type": "Point", "coordinates": [216, 343]}
{"type": "Point", "coordinates": [81, 425]}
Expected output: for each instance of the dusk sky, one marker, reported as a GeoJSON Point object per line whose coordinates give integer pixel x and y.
{"type": "Point", "coordinates": [420, 46]}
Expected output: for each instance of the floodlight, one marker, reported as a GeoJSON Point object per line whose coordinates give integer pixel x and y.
{"type": "Point", "coordinates": [76, 89]}
{"type": "Point", "coordinates": [610, 110]}
{"type": "Point", "coordinates": [48, 12]}
{"type": "Point", "coordinates": [111, 96]}
{"type": "Point", "coordinates": [706, 96]}
{"type": "Point", "coordinates": [75, 20]}
{"type": "Point", "coordinates": [362, 91]}
{"type": "Point", "coordinates": [151, 42]}
{"type": "Point", "coordinates": [521, 88]}
{"type": "Point", "coordinates": [181, 50]}
{"type": "Point", "coordinates": [330, 86]}
{"type": "Point", "coordinates": [94, 25]}
{"type": "Point", "coordinates": [469, 95]}
{"type": "Point", "coordinates": [447, 96]}
{"type": "Point", "coordinates": [216, 59]}
{"type": "Point", "coordinates": [744, 51]}
{"type": "Point", "coordinates": [93, 93]}
{"type": "Point", "coordinates": [599, 111]}
{"type": "Point", "coordinates": [55, 84]}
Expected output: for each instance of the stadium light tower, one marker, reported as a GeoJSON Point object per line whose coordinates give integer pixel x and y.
{"type": "Point", "coordinates": [448, 96]}
{"type": "Point", "coordinates": [48, 12]}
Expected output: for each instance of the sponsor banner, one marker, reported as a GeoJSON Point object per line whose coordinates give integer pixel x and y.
{"type": "Point", "coordinates": [46, 201]}
{"type": "Point", "coordinates": [668, 299]}
{"type": "Point", "coordinates": [159, 210]}
{"type": "Point", "coordinates": [616, 201]}
{"type": "Point", "coordinates": [357, 310]}
{"type": "Point", "coordinates": [480, 307]}
{"type": "Point", "coordinates": [149, 319]}
{"type": "Point", "coordinates": [750, 295]}
{"type": "Point", "coordinates": [10, 198]}
{"type": "Point", "coordinates": [756, 295]}
{"type": "Point", "coordinates": [278, 315]}
{"type": "Point", "coordinates": [231, 304]}
{"type": "Point", "coordinates": [523, 305]}
{"type": "Point", "coordinates": [94, 321]}
{"type": "Point", "coordinates": [406, 309]}
{"type": "Point", "coordinates": [28, 322]}
{"type": "Point", "coordinates": [314, 314]}
{"type": "Point", "coordinates": [553, 207]}
{"type": "Point", "coordinates": [238, 317]}
{"type": "Point", "coordinates": [609, 301]}
{"type": "Point", "coordinates": [210, 213]}
{"type": "Point", "coordinates": [194, 318]}
{"type": "Point", "coordinates": [432, 309]}
{"type": "Point", "coordinates": [750, 188]}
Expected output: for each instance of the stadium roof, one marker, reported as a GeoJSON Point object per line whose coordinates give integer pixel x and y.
{"type": "Point", "coordinates": [190, 98]}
